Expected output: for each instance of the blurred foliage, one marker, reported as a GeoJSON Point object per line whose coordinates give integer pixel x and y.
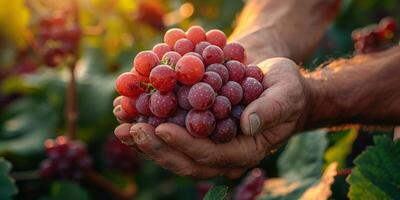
{"type": "Point", "coordinates": [32, 101]}
{"type": "Point", "coordinates": [8, 188]}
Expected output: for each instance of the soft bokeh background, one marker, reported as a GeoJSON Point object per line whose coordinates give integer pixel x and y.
{"type": "Point", "coordinates": [32, 96]}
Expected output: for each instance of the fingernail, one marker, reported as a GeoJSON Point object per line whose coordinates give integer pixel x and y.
{"type": "Point", "coordinates": [164, 135]}
{"type": "Point", "coordinates": [139, 136]}
{"type": "Point", "coordinates": [122, 133]}
{"type": "Point", "coordinates": [255, 123]}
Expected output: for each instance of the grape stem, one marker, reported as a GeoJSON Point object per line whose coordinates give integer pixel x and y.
{"type": "Point", "coordinates": [71, 113]}
{"type": "Point", "coordinates": [127, 193]}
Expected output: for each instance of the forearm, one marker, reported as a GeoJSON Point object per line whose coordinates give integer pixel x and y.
{"type": "Point", "coordinates": [286, 28]}
{"type": "Point", "coordinates": [364, 89]}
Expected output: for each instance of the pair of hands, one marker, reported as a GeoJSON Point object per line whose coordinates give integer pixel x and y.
{"type": "Point", "coordinates": [268, 121]}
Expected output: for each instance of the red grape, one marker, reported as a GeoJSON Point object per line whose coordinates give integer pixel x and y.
{"type": "Point", "coordinates": [128, 104]}
{"type": "Point", "coordinates": [200, 123]}
{"type": "Point", "coordinates": [213, 79]}
{"type": "Point", "coordinates": [216, 37]}
{"type": "Point", "coordinates": [171, 58]}
{"type": "Point", "coordinates": [160, 49]}
{"type": "Point", "coordinates": [195, 54]}
{"type": "Point", "coordinates": [196, 34]}
{"type": "Point", "coordinates": [221, 70]}
{"type": "Point", "coordinates": [155, 121]}
{"type": "Point", "coordinates": [237, 112]}
{"type": "Point", "coordinates": [128, 84]}
{"type": "Point", "coordinates": [236, 70]}
{"type": "Point", "coordinates": [145, 61]}
{"type": "Point", "coordinates": [252, 89]}
{"type": "Point", "coordinates": [173, 35]}
{"type": "Point", "coordinates": [142, 119]}
{"type": "Point", "coordinates": [233, 91]}
{"type": "Point", "coordinates": [163, 78]}
{"type": "Point", "coordinates": [221, 107]}
{"type": "Point", "coordinates": [255, 72]}
{"type": "Point", "coordinates": [163, 105]}
{"type": "Point", "coordinates": [183, 46]}
{"type": "Point", "coordinates": [143, 104]}
{"type": "Point", "coordinates": [251, 186]}
{"type": "Point", "coordinates": [201, 96]}
{"type": "Point", "coordinates": [234, 51]}
{"type": "Point", "coordinates": [141, 78]}
{"type": "Point", "coordinates": [190, 70]}
{"type": "Point", "coordinates": [179, 117]}
{"type": "Point", "coordinates": [225, 131]}
{"type": "Point", "coordinates": [183, 94]}
{"type": "Point", "coordinates": [213, 54]}
{"type": "Point", "coordinates": [199, 48]}
{"type": "Point", "coordinates": [120, 156]}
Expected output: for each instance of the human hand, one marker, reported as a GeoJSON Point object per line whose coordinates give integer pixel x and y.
{"type": "Point", "coordinates": [266, 122]}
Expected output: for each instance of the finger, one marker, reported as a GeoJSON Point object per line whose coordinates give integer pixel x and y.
{"type": "Point", "coordinates": [122, 133]}
{"type": "Point", "coordinates": [117, 101]}
{"type": "Point", "coordinates": [242, 151]}
{"type": "Point", "coordinates": [121, 115]}
{"type": "Point", "coordinates": [168, 157]}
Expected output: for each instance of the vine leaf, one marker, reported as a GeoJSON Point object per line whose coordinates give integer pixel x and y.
{"type": "Point", "coordinates": [217, 193]}
{"type": "Point", "coordinates": [65, 190]}
{"type": "Point", "coordinates": [377, 171]}
{"type": "Point", "coordinates": [7, 184]}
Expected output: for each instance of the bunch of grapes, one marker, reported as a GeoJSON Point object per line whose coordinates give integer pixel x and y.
{"type": "Point", "coordinates": [57, 38]}
{"type": "Point", "coordinates": [119, 156]}
{"type": "Point", "coordinates": [374, 38]}
{"type": "Point", "coordinates": [67, 159]}
{"type": "Point", "coordinates": [193, 79]}
{"type": "Point", "coordinates": [251, 186]}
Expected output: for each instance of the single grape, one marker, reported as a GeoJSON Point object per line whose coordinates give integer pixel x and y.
{"type": "Point", "coordinates": [200, 123]}
{"type": "Point", "coordinates": [183, 46]}
{"type": "Point", "coordinates": [145, 61]}
{"type": "Point", "coordinates": [236, 70]}
{"type": "Point", "coordinates": [155, 121]}
{"type": "Point", "coordinates": [128, 104]}
{"type": "Point", "coordinates": [213, 79]}
{"type": "Point", "coordinates": [233, 91]}
{"type": "Point", "coordinates": [163, 78]}
{"type": "Point", "coordinates": [201, 96]}
{"type": "Point", "coordinates": [143, 104]}
{"type": "Point", "coordinates": [252, 89]}
{"type": "Point", "coordinates": [213, 54]}
{"type": "Point", "coordinates": [221, 70]}
{"type": "Point", "coordinates": [221, 107]}
{"type": "Point", "coordinates": [179, 117]}
{"type": "Point", "coordinates": [196, 34]}
{"type": "Point", "coordinates": [163, 105]}
{"type": "Point", "coordinates": [237, 112]}
{"type": "Point", "coordinates": [183, 94]}
{"type": "Point", "coordinates": [251, 186]}
{"type": "Point", "coordinates": [171, 58]}
{"type": "Point", "coordinates": [225, 131]}
{"type": "Point", "coordinates": [199, 48]}
{"type": "Point", "coordinates": [234, 51]}
{"type": "Point", "coordinates": [216, 37]}
{"type": "Point", "coordinates": [255, 72]}
{"type": "Point", "coordinates": [190, 70]}
{"type": "Point", "coordinates": [173, 35]}
{"type": "Point", "coordinates": [160, 49]}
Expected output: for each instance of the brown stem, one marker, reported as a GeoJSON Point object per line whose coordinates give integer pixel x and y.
{"type": "Point", "coordinates": [71, 112]}
{"type": "Point", "coordinates": [100, 181]}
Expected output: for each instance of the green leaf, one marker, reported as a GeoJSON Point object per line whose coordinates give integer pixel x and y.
{"type": "Point", "coordinates": [7, 184]}
{"type": "Point", "coordinates": [67, 190]}
{"type": "Point", "coordinates": [341, 149]}
{"type": "Point", "coordinates": [376, 174]}
{"type": "Point", "coordinates": [299, 166]}
{"type": "Point", "coordinates": [217, 193]}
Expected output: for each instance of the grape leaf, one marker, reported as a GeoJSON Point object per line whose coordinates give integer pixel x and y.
{"type": "Point", "coordinates": [217, 193]}
{"type": "Point", "coordinates": [65, 190]}
{"type": "Point", "coordinates": [376, 174]}
{"type": "Point", "coordinates": [341, 149]}
{"type": "Point", "coordinates": [8, 188]}
{"type": "Point", "coordinates": [300, 167]}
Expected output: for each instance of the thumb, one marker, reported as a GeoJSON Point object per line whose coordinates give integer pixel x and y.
{"type": "Point", "coordinates": [265, 112]}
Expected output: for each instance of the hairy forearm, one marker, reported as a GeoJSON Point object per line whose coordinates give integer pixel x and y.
{"type": "Point", "coordinates": [285, 28]}
{"type": "Point", "coordinates": [364, 89]}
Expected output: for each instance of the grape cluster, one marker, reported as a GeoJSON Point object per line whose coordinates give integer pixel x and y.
{"type": "Point", "coordinates": [119, 156]}
{"type": "Point", "coordinates": [251, 186]}
{"type": "Point", "coordinates": [193, 79]}
{"type": "Point", "coordinates": [66, 159]}
{"type": "Point", "coordinates": [374, 38]}
{"type": "Point", "coordinates": [57, 39]}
